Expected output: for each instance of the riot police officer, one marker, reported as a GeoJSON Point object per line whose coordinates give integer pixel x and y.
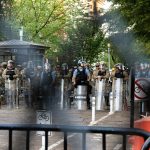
{"type": "Point", "coordinates": [2, 87]}
{"type": "Point", "coordinates": [81, 76]}
{"type": "Point", "coordinates": [101, 76]}
{"type": "Point", "coordinates": [10, 75]}
{"type": "Point", "coordinates": [119, 72]}
{"type": "Point", "coordinates": [45, 86]}
{"type": "Point", "coordinates": [119, 76]}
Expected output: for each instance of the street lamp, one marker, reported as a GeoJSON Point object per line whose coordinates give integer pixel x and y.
{"type": "Point", "coordinates": [21, 33]}
{"type": "Point", "coordinates": [108, 45]}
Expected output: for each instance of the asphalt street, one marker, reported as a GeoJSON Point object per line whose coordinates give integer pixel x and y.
{"type": "Point", "coordinates": [71, 116]}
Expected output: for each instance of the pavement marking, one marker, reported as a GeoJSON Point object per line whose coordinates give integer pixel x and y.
{"type": "Point", "coordinates": [117, 147]}
{"type": "Point", "coordinates": [59, 142]}
{"type": "Point", "coordinates": [99, 120]}
{"type": "Point", "coordinates": [62, 140]}
{"type": "Point", "coordinates": [96, 139]}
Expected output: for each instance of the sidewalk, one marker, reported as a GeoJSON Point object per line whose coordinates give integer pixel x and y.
{"type": "Point", "coordinates": [62, 117]}
{"type": "Point", "coordinates": [66, 116]}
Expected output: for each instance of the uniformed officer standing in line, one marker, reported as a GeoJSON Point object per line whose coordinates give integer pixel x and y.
{"type": "Point", "coordinates": [120, 73]}
{"type": "Point", "coordinates": [81, 76]}
{"type": "Point", "coordinates": [99, 74]}
{"type": "Point", "coordinates": [10, 75]}
{"type": "Point", "coordinates": [1, 85]}
{"type": "Point", "coordinates": [45, 86]}
{"type": "Point", "coordinates": [56, 85]}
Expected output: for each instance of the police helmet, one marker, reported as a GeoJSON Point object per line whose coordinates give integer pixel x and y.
{"type": "Point", "coordinates": [19, 66]}
{"type": "Point", "coordinates": [39, 67]}
{"type": "Point", "coordinates": [119, 66]}
{"type": "Point", "coordinates": [4, 64]}
{"type": "Point", "coordinates": [81, 62]}
{"type": "Point", "coordinates": [10, 61]}
{"type": "Point", "coordinates": [64, 66]}
{"type": "Point", "coordinates": [97, 64]}
{"type": "Point", "coordinates": [57, 66]}
{"type": "Point", "coordinates": [102, 63]}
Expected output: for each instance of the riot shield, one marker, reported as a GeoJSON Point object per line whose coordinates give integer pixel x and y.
{"type": "Point", "coordinates": [117, 90]}
{"type": "Point", "coordinates": [10, 88]}
{"type": "Point", "coordinates": [100, 89]}
{"type": "Point", "coordinates": [81, 97]}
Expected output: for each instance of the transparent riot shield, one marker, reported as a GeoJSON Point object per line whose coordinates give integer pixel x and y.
{"type": "Point", "coordinates": [62, 94]}
{"type": "Point", "coordinates": [117, 90]}
{"type": "Point", "coordinates": [81, 97]}
{"type": "Point", "coordinates": [17, 93]}
{"type": "Point", "coordinates": [100, 89]}
{"type": "Point", "coordinates": [29, 92]}
{"type": "Point", "coordinates": [10, 88]}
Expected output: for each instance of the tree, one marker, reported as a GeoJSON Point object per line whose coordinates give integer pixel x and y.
{"type": "Point", "coordinates": [5, 14]}
{"type": "Point", "coordinates": [137, 15]}
{"type": "Point", "coordinates": [38, 15]}
{"type": "Point", "coordinates": [85, 41]}
{"type": "Point", "coordinates": [44, 21]}
{"type": "Point", "coordinates": [60, 25]}
{"type": "Point", "coordinates": [128, 22]}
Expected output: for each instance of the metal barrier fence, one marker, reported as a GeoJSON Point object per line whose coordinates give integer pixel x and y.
{"type": "Point", "coordinates": [124, 132]}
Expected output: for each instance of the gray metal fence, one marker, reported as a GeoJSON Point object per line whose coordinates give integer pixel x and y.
{"type": "Point", "coordinates": [124, 132]}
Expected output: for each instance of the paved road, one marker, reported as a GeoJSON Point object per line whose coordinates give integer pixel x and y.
{"type": "Point", "coordinates": [65, 117]}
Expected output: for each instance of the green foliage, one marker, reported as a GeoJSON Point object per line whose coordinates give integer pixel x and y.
{"type": "Point", "coordinates": [129, 28]}
{"type": "Point", "coordinates": [85, 41]}
{"type": "Point", "coordinates": [5, 13]}
{"type": "Point", "coordinates": [61, 25]}
{"type": "Point", "coordinates": [43, 20]}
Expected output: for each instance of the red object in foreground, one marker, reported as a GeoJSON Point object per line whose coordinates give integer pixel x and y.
{"type": "Point", "coordinates": [136, 141]}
